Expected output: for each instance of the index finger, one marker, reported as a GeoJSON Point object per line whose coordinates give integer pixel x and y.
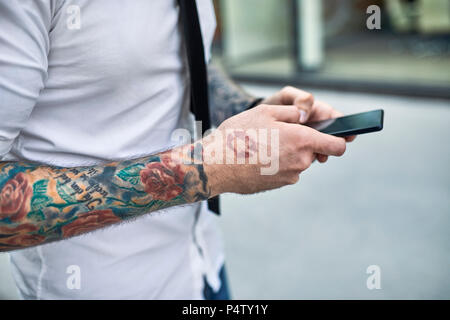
{"type": "Point", "coordinates": [326, 144]}
{"type": "Point", "coordinates": [337, 114]}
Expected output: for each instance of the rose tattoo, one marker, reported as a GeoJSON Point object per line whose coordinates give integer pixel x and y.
{"type": "Point", "coordinates": [162, 179]}
{"type": "Point", "coordinates": [15, 198]}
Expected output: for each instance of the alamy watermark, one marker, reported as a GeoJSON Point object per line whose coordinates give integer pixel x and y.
{"type": "Point", "coordinates": [73, 281]}
{"type": "Point", "coordinates": [73, 21]}
{"type": "Point", "coordinates": [259, 146]}
{"type": "Point", "coordinates": [373, 22]}
{"type": "Point", "coordinates": [374, 280]}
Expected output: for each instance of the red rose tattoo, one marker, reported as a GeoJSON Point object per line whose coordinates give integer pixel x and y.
{"type": "Point", "coordinates": [162, 179]}
{"type": "Point", "coordinates": [22, 228]}
{"type": "Point", "coordinates": [89, 222]}
{"type": "Point", "coordinates": [15, 198]}
{"type": "Point", "coordinates": [45, 203]}
{"type": "Point", "coordinates": [23, 240]}
{"type": "Point", "coordinates": [20, 236]}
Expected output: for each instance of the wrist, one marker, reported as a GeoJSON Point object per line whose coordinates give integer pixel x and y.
{"type": "Point", "coordinates": [215, 171]}
{"type": "Point", "coordinates": [215, 178]}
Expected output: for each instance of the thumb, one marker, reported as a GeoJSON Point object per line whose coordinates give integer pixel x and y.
{"type": "Point", "coordinates": [303, 100]}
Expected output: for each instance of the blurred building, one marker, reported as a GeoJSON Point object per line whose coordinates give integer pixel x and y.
{"type": "Point", "coordinates": [327, 43]}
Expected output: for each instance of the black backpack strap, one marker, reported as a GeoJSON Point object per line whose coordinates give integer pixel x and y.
{"type": "Point", "coordinates": [193, 41]}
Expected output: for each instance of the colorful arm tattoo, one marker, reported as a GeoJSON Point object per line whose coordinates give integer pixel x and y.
{"type": "Point", "coordinates": [226, 97]}
{"type": "Point", "coordinates": [40, 204]}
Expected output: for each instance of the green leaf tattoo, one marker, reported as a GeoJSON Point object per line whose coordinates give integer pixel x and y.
{"type": "Point", "coordinates": [131, 174]}
{"type": "Point", "coordinates": [64, 195]}
{"type": "Point", "coordinates": [41, 204]}
{"type": "Point", "coordinates": [40, 187]}
{"type": "Point", "coordinates": [40, 198]}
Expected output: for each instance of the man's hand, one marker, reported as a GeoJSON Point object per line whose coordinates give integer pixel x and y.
{"type": "Point", "coordinates": [303, 100]}
{"type": "Point", "coordinates": [310, 109]}
{"type": "Point", "coordinates": [296, 149]}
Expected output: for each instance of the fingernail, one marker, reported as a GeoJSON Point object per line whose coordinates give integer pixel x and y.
{"type": "Point", "coordinates": [302, 116]}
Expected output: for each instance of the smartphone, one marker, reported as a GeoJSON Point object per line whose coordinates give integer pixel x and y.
{"type": "Point", "coordinates": [358, 123]}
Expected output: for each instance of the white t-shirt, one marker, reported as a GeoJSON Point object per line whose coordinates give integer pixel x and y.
{"type": "Point", "coordinates": [84, 82]}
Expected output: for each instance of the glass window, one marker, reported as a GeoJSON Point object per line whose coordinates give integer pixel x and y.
{"type": "Point", "coordinates": [400, 46]}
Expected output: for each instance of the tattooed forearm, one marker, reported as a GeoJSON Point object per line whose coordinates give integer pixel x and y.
{"type": "Point", "coordinates": [40, 204]}
{"type": "Point", "coordinates": [226, 98]}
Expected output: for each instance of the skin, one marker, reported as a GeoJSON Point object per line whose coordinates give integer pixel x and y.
{"type": "Point", "coordinates": [298, 147]}
{"type": "Point", "coordinates": [40, 204]}
{"type": "Point", "coordinates": [50, 203]}
{"type": "Point", "coordinates": [310, 109]}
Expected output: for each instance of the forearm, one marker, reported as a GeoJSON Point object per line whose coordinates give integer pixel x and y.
{"type": "Point", "coordinates": [40, 204]}
{"type": "Point", "coordinates": [226, 97]}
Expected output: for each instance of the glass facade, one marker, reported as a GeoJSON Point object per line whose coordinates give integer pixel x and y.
{"type": "Point", "coordinates": [398, 46]}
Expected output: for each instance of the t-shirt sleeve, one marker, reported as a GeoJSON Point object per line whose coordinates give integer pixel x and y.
{"type": "Point", "coordinates": [24, 47]}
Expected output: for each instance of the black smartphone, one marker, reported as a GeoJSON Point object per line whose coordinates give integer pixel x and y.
{"type": "Point", "coordinates": [358, 123]}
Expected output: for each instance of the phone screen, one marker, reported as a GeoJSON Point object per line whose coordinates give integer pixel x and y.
{"type": "Point", "coordinates": [359, 123]}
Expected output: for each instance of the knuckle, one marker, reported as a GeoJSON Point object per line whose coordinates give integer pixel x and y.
{"type": "Point", "coordinates": [298, 164]}
{"type": "Point", "coordinates": [308, 98]}
{"type": "Point", "coordinates": [291, 135]}
{"type": "Point", "coordinates": [292, 149]}
{"type": "Point", "coordinates": [303, 164]}
{"type": "Point", "coordinates": [263, 108]}
{"type": "Point", "coordinates": [299, 142]}
{"type": "Point", "coordinates": [305, 139]}
{"type": "Point", "coordinates": [287, 88]}
{"type": "Point", "coordinates": [342, 148]}
{"type": "Point", "coordinates": [293, 179]}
